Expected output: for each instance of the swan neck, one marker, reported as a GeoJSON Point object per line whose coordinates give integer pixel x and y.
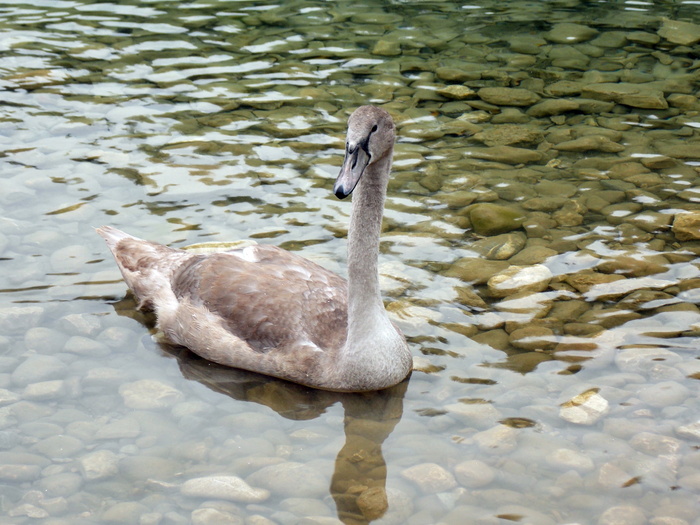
{"type": "Point", "coordinates": [364, 294]}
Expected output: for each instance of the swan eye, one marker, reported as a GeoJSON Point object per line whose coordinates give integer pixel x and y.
{"type": "Point", "coordinates": [374, 128]}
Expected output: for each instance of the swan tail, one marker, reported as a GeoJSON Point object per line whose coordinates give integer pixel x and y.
{"type": "Point", "coordinates": [147, 267]}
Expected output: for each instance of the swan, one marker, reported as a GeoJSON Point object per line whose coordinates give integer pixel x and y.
{"type": "Point", "coordinates": [267, 310]}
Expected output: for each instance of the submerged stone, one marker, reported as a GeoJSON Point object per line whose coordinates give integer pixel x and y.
{"type": "Point", "coordinates": [503, 96]}
{"type": "Point", "coordinates": [585, 408]}
{"type": "Point", "coordinates": [500, 247]}
{"type": "Point", "coordinates": [493, 219]}
{"type": "Point", "coordinates": [568, 33]}
{"type": "Point", "coordinates": [430, 478]}
{"type": "Point", "coordinates": [634, 95]}
{"type": "Point", "coordinates": [230, 488]}
{"type": "Point", "coordinates": [520, 279]}
{"type": "Point", "coordinates": [686, 226]}
{"type": "Point", "coordinates": [679, 32]}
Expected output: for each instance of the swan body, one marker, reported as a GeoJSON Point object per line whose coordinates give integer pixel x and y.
{"type": "Point", "coordinates": [267, 310]}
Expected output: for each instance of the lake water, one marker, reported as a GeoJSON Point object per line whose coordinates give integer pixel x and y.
{"type": "Point", "coordinates": [540, 252]}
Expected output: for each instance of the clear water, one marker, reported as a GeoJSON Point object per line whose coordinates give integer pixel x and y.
{"type": "Point", "coordinates": [212, 121]}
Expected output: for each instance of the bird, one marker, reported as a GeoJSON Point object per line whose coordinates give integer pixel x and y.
{"type": "Point", "coordinates": [267, 310]}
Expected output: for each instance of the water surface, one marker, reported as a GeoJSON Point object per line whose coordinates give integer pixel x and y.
{"type": "Point", "coordinates": [539, 251]}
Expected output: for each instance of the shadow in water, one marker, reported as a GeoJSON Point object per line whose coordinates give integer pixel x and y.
{"type": "Point", "coordinates": [358, 484]}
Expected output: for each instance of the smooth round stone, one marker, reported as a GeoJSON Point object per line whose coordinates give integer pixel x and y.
{"type": "Point", "coordinates": [8, 397]}
{"type": "Point", "coordinates": [37, 368]}
{"type": "Point", "coordinates": [500, 247]}
{"type": "Point", "coordinates": [689, 431]}
{"type": "Point", "coordinates": [679, 32]}
{"type": "Point", "coordinates": [85, 346]}
{"type": "Point", "coordinates": [566, 459]}
{"type": "Point", "coordinates": [123, 428]}
{"type": "Point", "coordinates": [623, 515]}
{"type": "Point", "coordinates": [70, 259]}
{"type": "Point", "coordinates": [474, 473]}
{"type": "Point", "coordinates": [19, 473]}
{"type": "Point", "coordinates": [553, 106]}
{"type": "Point", "coordinates": [80, 324]}
{"type": "Point", "coordinates": [430, 478]}
{"type": "Point", "coordinates": [655, 444]}
{"type": "Point", "coordinates": [643, 359]}
{"type": "Point", "coordinates": [499, 439]}
{"type": "Point", "coordinates": [475, 270]}
{"type": "Point", "coordinates": [628, 94]}
{"type": "Point", "coordinates": [480, 415]}
{"type": "Point", "coordinates": [506, 154]}
{"type": "Point", "coordinates": [520, 279]}
{"type": "Point", "coordinates": [387, 47]}
{"type": "Point", "coordinates": [127, 513]}
{"type": "Point", "coordinates": [29, 510]}
{"type": "Point", "coordinates": [508, 134]}
{"type": "Point", "coordinates": [531, 255]}
{"type": "Point", "coordinates": [230, 488]}
{"type": "Point", "coordinates": [101, 464]}
{"type": "Point", "coordinates": [686, 226]}
{"type": "Point", "coordinates": [116, 336]}
{"type": "Point", "coordinates": [585, 408]}
{"type": "Point", "coordinates": [503, 96]}
{"type": "Point", "coordinates": [138, 468]}
{"type": "Point", "coordinates": [16, 319]}
{"type": "Point", "coordinates": [533, 337]}
{"type": "Point", "coordinates": [148, 394]}
{"type": "Point", "coordinates": [493, 219]}
{"type": "Point", "coordinates": [64, 484]}
{"type": "Point", "coordinates": [283, 480]}
{"type": "Point", "coordinates": [664, 394]}
{"type": "Point", "coordinates": [44, 340]}
{"type": "Point", "coordinates": [45, 390]}
{"type": "Point", "coordinates": [568, 33]}
{"type": "Point", "coordinates": [590, 143]}
{"type": "Point", "coordinates": [59, 446]}
{"type": "Point", "coordinates": [457, 92]}
{"type": "Point", "coordinates": [210, 516]}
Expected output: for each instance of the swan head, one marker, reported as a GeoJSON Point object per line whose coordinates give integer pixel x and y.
{"type": "Point", "coordinates": [370, 138]}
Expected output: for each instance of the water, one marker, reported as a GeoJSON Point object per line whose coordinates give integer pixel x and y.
{"type": "Point", "coordinates": [570, 396]}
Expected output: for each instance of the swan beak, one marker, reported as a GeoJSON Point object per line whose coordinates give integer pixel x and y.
{"type": "Point", "coordinates": [353, 167]}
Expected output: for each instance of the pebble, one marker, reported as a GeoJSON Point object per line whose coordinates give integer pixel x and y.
{"type": "Point", "coordinates": [679, 32]}
{"type": "Point", "coordinates": [37, 368]}
{"type": "Point", "coordinates": [474, 473]}
{"type": "Point", "coordinates": [500, 247]}
{"type": "Point", "coordinates": [502, 96]}
{"type": "Point", "coordinates": [100, 464]}
{"type": "Point", "coordinates": [623, 515]}
{"type": "Point", "coordinates": [492, 219]}
{"type": "Point", "coordinates": [570, 33]}
{"type": "Point", "coordinates": [430, 478]}
{"type": "Point", "coordinates": [229, 488]}
{"type": "Point", "coordinates": [127, 512]}
{"type": "Point", "coordinates": [520, 279]}
{"type": "Point", "coordinates": [16, 319]}
{"type": "Point", "coordinates": [45, 390]}
{"type": "Point", "coordinates": [282, 480]}
{"type": "Point", "coordinates": [686, 226]}
{"type": "Point", "coordinates": [210, 516]}
{"type": "Point", "coordinates": [584, 409]}
{"type": "Point", "coordinates": [634, 95]}
{"type": "Point", "coordinates": [148, 394]}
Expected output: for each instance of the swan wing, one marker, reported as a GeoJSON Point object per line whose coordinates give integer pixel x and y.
{"type": "Point", "coordinates": [268, 297]}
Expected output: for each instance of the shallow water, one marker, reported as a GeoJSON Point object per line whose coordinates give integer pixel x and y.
{"type": "Point", "coordinates": [540, 252]}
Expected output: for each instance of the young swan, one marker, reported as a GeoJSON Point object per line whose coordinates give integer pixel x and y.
{"type": "Point", "coordinates": [270, 311]}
